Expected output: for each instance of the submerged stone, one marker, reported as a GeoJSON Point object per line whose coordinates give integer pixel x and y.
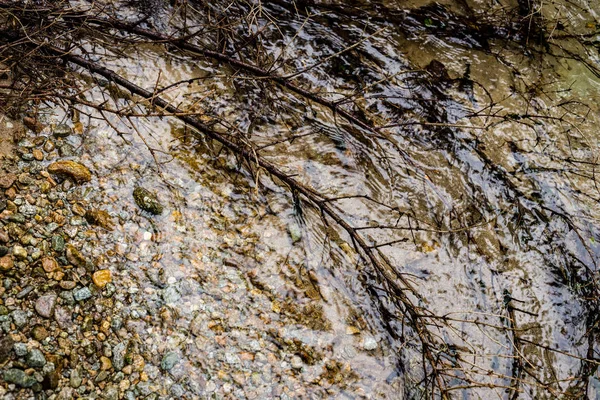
{"type": "Point", "coordinates": [100, 218]}
{"type": "Point", "coordinates": [147, 201]}
{"type": "Point", "coordinates": [72, 169]}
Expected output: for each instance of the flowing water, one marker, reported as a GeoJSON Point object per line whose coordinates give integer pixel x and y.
{"type": "Point", "coordinates": [481, 191]}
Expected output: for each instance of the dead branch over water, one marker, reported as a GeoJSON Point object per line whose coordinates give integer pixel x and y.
{"type": "Point", "coordinates": [46, 45]}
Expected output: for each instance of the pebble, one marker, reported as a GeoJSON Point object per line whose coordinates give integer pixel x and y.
{"type": "Point", "coordinates": [63, 317]}
{"type": "Point", "coordinates": [72, 169]}
{"type": "Point", "coordinates": [20, 349]}
{"type": "Point", "coordinates": [296, 362]}
{"type": "Point", "coordinates": [19, 378]}
{"type": "Point", "coordinates": [82, 294]}
{"type": "Point", "coordinates": [102, 277]}
{"type": "Point", "coordinates": [35, 358]}
{"type": "Point", "coordinates": [369, 343]}
{"type": "Point", "coordinates": [58, 243]}
{"type": "Point", "coordinates": [119, 351]}
{"type": "Point", "coordinates": [39, 333]}
{"type": "Point", "coordinates": [6, 263]}
{"type": "Point", "coordinates": [38, 155]}
{"type": "Point", "coordinates": [49, 264]}
{"type": "Point", "coordinates": [147, 201]}
{"type": "Point", "coordinates": [169, 361]}
{"type": "Point", "coordinates": [45, 305]}
{"type": "Point", "coordinates": [19, 318]}
{"type": "Point", "coordinates": [20, 253]}
{"type": "Point", "coordinates": [62, 130]}
{"type": "Point", "coordinates": [7, 180]}
{"type": "Point", "coordinates": [105, 363]}
{"type": "Point", "coordinates": [75, 257]}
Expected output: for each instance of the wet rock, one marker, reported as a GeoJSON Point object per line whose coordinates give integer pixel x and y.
{"type": "Point", "coordinates": [38, 155]}
{"type": "Point", "coordinates": [66, 150]}
{"type": "Point", "coordinates": [100, 218]}
{"type": "Point", "coordinates": [35, 359]}
{"type": "Point", "coordinates": [7, 180]}
{"type": "Point", "coordinates": [19, 378]}
{"type": "Point", "coordinates": [147, 201]}
{"type": "Point", "coordinates": [3, 251]}
{"type": "Point", "coordinates": [6, 263]}
{"type": "Point", "coordinates": [296, 362]}
{"type": "Point", "coordinates": [82, 294]}
{"type": "Point", "coordinates": [75, 257]}
{"type": "Point", "coordinates": [45, 305]}
{"type": "Point", "coordinates": [102, 278]}
{"type": "Point", "coordinates": [169, 361]}
{"type": "Point", "coordinates": [49, 264]}
{"type": "Point", "coordinates": [62, 130]}
{"type": "Point", "coordinates": [369, 343]}
{"type": "Point", "coordinates": [72, 169]}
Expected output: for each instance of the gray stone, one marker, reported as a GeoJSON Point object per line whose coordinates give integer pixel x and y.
{"type": "Point", "coordinates": [75, 379]}
{"type": "Point", "coordinates": [19, 318]}
{"type": "Point", "coordinates": [82, 294]}
{"type": "Point", "coordinates": [20, 349]}
{"type": "Point", "coordinates": [119, 351]}
{"type": "Point", "coordinates": [19, 378]}
{"type": "Point", "coordinates": [35, 358]}
{"type": "Point", "coordinates": [147, 201]}
{"type": "Point", "coordinates": [45, 305]}
{"type": "Point", "coordinates": [169, 361]}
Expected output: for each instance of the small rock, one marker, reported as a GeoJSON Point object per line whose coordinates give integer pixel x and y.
{"type": "Point", "coordinates": [82, 294]}
{"type": "Point", "coordinates": [75, 380]}
{"type": "Point", "coordinates": [58, 243]}
{"type": "Point", "coordinates": [20, 349]}
{"type": "Point", "coordinates": [19, 378]}
{"type": "Point", "coordinates": [75, 257]}
{"type": "Point", "coordinates": [102, 277]}
{"type": "Point", "coordinates": [169, 361]}
{"type": "Point", "coordinates": [119, 351]}
{"type": "Point", "coordinates": [62, 130]}
{"type": "Point", "coordinates": [68, 285]}
{"type": "Point", "coordinates": [35, 358]}
{"type": "Point", "coordinates": [39, 333]}
{"type": "Point", "coordinates": [100, 218]}
{"type": "Point", "coordinates": [6, 263]}
{"type": "Point", "coordinates": [147, 201]}
{"type": "Point", "coordinates": [369, 343]}
{"type": "Point", "coordinates": [105, 363]}
{"type": "Point", "coordinates": [38, 155]}
{"type": "Point", "coordinates": [49, 264]}
{"type": "Point", "coordinates": [72, 169]}
{"type": "Point", "coordinates": [45, 305]}
{"type": "Point", "coordinates": [63, 317]}
{"type": "Point", "coordinates": [296, 362]}
{"type": "Point", "coordinates": [20, 253]}
{"type": "Point", "coordinates": [19, 318]}
{"type": "Point", "coordinates": [7, 180]}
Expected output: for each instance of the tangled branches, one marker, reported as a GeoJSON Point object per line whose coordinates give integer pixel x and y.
{"type": "Point", "coordinates": [403, 122]}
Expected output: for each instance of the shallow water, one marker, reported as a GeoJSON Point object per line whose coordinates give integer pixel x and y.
{"type": "Point", "coordinates": [487, 201]}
